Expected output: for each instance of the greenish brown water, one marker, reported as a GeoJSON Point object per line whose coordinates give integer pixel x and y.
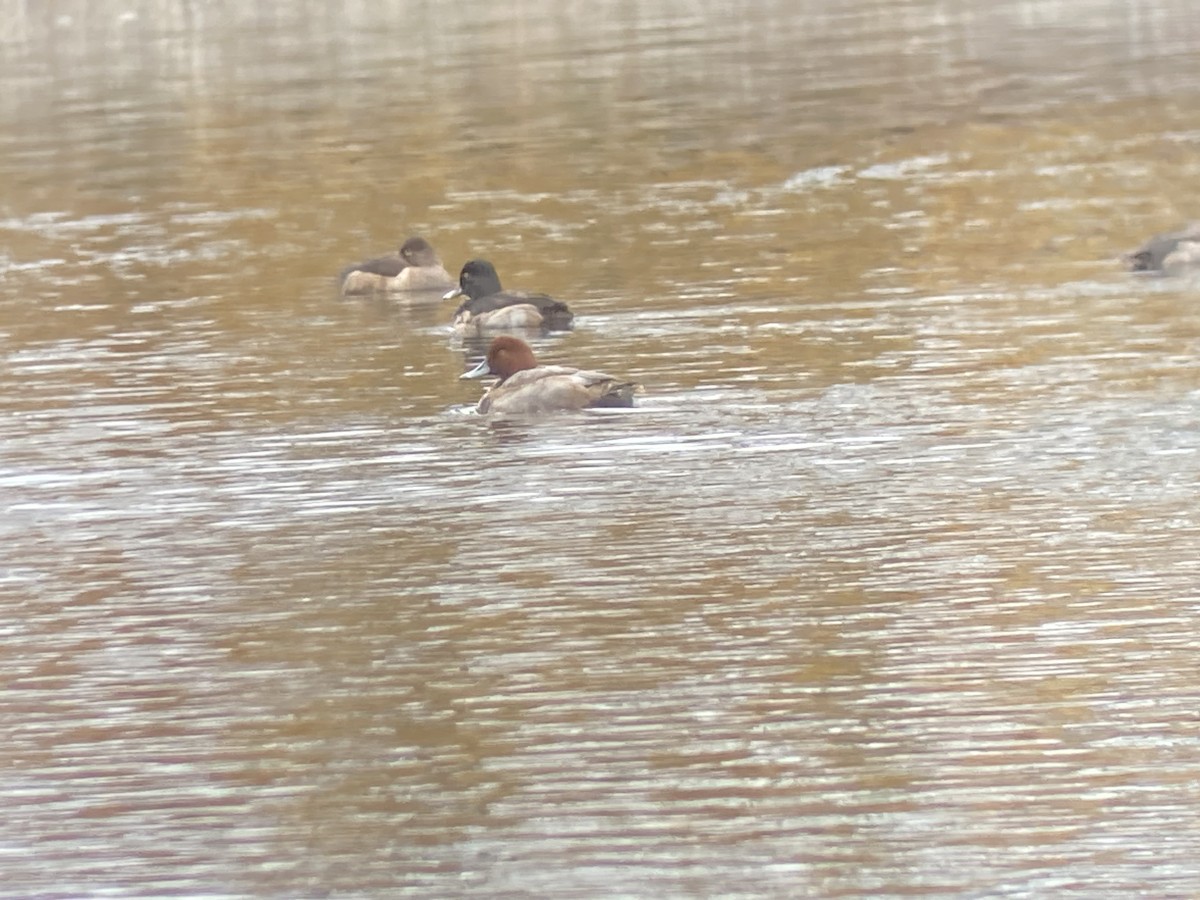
{"type": "Point", "coordinates": [888, 588]}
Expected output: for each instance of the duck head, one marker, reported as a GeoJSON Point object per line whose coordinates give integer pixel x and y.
{"type": "Point", "coordinates": [506, 356]}
{"type": "Point", "coordinates": [417, 251]}
{"type": "Point", "coordinates": [477, 279]}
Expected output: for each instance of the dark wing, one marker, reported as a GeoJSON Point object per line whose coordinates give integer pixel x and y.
{"type": "Point", "coordinates": [555, 314]}
{"type": "Point", "coordinates": [389, 266]}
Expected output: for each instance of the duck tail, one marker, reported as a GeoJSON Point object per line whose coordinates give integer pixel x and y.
{"type": "Point", "coordinates": [619, 395]}
{"type": "Point", "coordinates": [355, 281]}
{"type": "Point", "coordinates": [557, 317]}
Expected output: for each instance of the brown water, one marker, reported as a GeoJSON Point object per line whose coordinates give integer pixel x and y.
{"type": "Point", "coordinates": [888, 588]}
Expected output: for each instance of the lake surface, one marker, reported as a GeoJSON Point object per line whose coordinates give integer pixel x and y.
{"type": "Point", "coordinates": [889, 587]}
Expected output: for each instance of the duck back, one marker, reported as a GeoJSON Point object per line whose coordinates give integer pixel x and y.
{"type": "Point", "coordinates": [550, 388]}
{"type": "Point", "coordinates": [554, 314]}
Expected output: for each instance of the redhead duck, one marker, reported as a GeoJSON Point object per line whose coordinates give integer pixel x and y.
{"type": "Point", "coordinates": [415, 268]}
{"type": "Point", "coordinates": [1169, 254]}
{"type": "Point", "coordinates": [489, 308]}
{"type": "Point", "coordinates": [526, 387]}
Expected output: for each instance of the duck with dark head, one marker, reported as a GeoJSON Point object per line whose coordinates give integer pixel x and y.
{"type": "Point", "coordinates": [416, 267]}
{"type": "Point", "coordinates": [489, 307]}
{"type": "Point", "coordinates": [1170, 253]}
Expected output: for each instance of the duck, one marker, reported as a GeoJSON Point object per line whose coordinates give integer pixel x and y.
{"type": "Point", "coordinates": [416, 267]}
{"type": "Point", "coordinates": [527, 388]}
{"type": "Point", "coordinates": [489, 307]}
{"type": "Point", "coordinates": [1170, 253]}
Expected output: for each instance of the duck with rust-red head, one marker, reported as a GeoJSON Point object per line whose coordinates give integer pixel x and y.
{"type": "Point", "coordinates": [526, 388]}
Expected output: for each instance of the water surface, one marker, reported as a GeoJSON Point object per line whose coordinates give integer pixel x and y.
{"type": "Point", "coordinates": [887, 588]}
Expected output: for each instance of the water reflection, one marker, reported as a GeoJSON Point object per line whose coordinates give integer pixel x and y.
{"type": "Point", "coordinates": [885, 588]}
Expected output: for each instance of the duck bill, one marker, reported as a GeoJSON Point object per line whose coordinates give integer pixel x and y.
{"type": "Point", "coordinates": [478, 372]}
{"type": "Point", "coordinates": [451, 294]}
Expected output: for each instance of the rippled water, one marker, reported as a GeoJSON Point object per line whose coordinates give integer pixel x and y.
{"type": "Point", "coordinates": [887, 588]}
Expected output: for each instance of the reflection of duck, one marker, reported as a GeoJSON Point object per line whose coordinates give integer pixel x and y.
{"type": "Point", "coordinates": [526, 387]}
{"type": "Point", "coordinates": [490, 308]}
{"type": "Point", "coordinates": [415, 268]}
{"type": "Point", "coordinates": [1170, 253]}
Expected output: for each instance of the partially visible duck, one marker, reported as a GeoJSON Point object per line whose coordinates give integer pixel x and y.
{"type": "Point", "coordinates": [415, 268]}
{"type": "Point", "coordinates": [1170, 254]}
{"type": "Point", "coordinates": [490, 308]}
{"type": "Point", "coordinates": [525, 387]}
